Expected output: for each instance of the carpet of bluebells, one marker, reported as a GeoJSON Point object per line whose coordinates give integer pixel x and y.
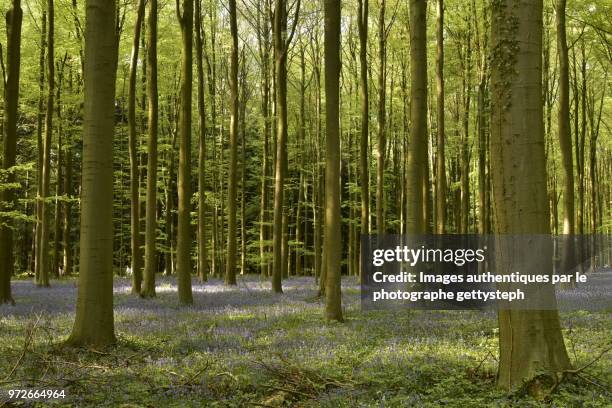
{"type": "Point", "coordinates": [244, 346]}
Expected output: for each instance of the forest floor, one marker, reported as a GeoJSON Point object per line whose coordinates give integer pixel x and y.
{"type": "Point", "coordinates": [244, 346]}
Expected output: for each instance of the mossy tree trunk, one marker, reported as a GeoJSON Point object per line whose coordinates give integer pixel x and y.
{"type": "Point", "coordinates": [530, 341]}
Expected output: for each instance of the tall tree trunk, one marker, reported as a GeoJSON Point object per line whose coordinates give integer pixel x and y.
{"type": "Point", "coordinates": [133, 153]}
{"type": "Point", "coordinates": [230, 263]}
{"type": "Point", "coordinates": [94, 322]}
{"type": "Point", "coordinates": [418, 113]}
{"type": "Point", "coordinates": [333, 236]}
{"type": "Point", "coordinates": [565, 139]}
{"type": "Point", "coordinates": [382, 116]}
{"type": "Point", "coordinates": [39, 142]}
{"type": "Point", "coordinates": [440, 157]}
{"type": "Point", "coordinates": [465, 147]}
{"type": "Point", "coordinates": [151, 263]}
{"type": "Point", "coordinates": [281, 46]}
{"type": "Point", "coordinates": [43, 250]}
{"type": "Point", "coordinates": [530, 341]}
{"type": "Point", "coordinates": [364, 177]}
{"type": "Point", "coordinates": [57, 240]}
{"type": "Point", "coordinates": [14, 17]}
{"type": "Point", "coordinates": [264, 53]}
{"type": "Point", "coordinates": [183, 250]}
{"type": "Point", "coordinates": [68, 210]}
{"type": "Point", "coordinates": [281, 145]}
{"type": "Point", "coordinates": [202, 237]}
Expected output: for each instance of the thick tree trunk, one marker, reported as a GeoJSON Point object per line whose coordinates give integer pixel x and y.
{"type": "Point", "coordinates": [14, 17]}
{"type": "Point", "coordinates": [530, 341]}
{"type": "Point", "coordinates": [151, 263]}
{"type": "Point", "coordinates": [133, 153]}
{"type": "Point", "coordinates": [418, 127]}
{"type": "Point", "coordinates": [183, 250]}
{"type": "Point", "coordinates": [333, 236]}
{"type": "Point", "coordinates": [230, 263]}
{"type": "Point", "coordinates": [94, 322]}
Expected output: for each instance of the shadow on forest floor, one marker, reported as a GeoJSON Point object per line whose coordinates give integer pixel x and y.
{"type": "Point", "coordinates": [244, 345]}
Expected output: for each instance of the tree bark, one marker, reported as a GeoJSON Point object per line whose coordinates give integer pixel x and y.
{"type": "Point", "coordinates": [565, 139]}
{"type": "Point", "coordinates": [14, 17]}
{"type": "Point", "coordinates": [94, 322]}
{"type": "Point", "coordinates": [364, 176]}
{"type": "Point", "coordinates": [230, 263]}
{"type": "Point", "coordinates": [43, 250]}
{"type": "Point", "coordinates": [382, 116]}
{"type": "Point", "coordinates": [133, 153]}
{"type": "Point", "coordinates": [440, 150]}
{"type": "Point", "coordinates": [530, 341]}
{"type": "Point", "coordinates": [151, 265]}
{"type": "Point", "coordinates": [202, 209]}
{"type": "Point", "coordinates": [418, 128]}
{"type": "Point", "coordinates": [333, 236]}
{"type": "Point", "coordinates": [183, 250]}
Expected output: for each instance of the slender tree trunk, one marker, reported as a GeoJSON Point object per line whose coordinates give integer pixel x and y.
{"type": "Point", "coordinates": [68, 210]}
{"type": "Point", "coordinates": [14, 17]}
{"type": "Point", "coordinates": [94, 322]}
{"type": "Point", "coordinates": [202, 209]}
{"type": "Point", "coordinates": [530, 341]}
{"type": "Point", "coordinates": [418, 127]}
{"type": "Point", "coordinates": [264, 52]}
{"type": "Point", "coordinates": [151, 262]}
{"type": "Point", "coordinates": [57, 240]}
{"type": "Point", "coordinates": [333, 241]}
{"type": "Point", "coordinates": [382, 116]}
{"type": "Point", "coordinates": [133, 153]}
{"type": "Point", "coordinates": [43, 250]}
{"type": "Point", "coordinates": [364, 177]}
{"type": "Point", "coordinates": [230, 263]}
{"type": "Point", "coordinates": [183, 250]}
{"type": "Point", "coordinates": [39, 144]}
{"type": "Point", "coordinates": [280, 28]}
{"type": "Point", "coordinates": [565, 139]}
{"type": "Point", "coordinates": [440, 157]}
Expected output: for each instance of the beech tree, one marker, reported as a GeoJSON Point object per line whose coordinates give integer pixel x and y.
{"type": "Point", "coordinates": [530, 341]}
{"type": "Point", "coordinates": [332, 237]}
{"type": "Point", "coordinates": [183, 249]}
{"type": "Point", "coordinates": [94, 321]}
{"type": "Point", "coordinates": [230, 263]}
{"type": "Point", "coordinates": [13, 20]}
{"type": "Point", "coordinates": [150, 265]}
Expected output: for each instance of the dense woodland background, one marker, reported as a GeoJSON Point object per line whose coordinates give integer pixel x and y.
{"type": "Point", "coordinates": [226, 161]}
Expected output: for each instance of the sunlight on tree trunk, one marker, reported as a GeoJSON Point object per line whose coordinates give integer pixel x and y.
{"type": "Point", "coordinates": [94, 321]}
{"type": "Point", "coordinates": [530, 341]}
{"type": "Point", "coordinates": [333, 236]}
{"type": "Point", "coordinates": [150, 265]}
{"type": "Point", "coordinates": [183, 249]}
